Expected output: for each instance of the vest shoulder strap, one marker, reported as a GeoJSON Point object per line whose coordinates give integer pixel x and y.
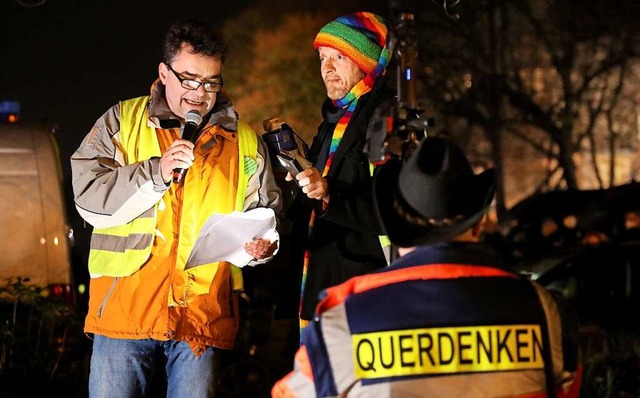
{"type": "Point", "coordinates": [138, 140]}
{"type": "Point", "coordinates": [247, 152]}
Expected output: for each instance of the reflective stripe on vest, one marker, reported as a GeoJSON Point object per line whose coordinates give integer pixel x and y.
{"type": "Point", "coordinates": [128, 246]}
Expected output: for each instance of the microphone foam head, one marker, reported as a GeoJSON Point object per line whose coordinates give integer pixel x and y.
{"type": "Point", "coordinates": [193, 117]}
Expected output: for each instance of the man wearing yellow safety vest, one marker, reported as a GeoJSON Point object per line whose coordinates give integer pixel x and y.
{"type": "Point", "coordinates": [147, 313]}
{"type": "Point", "coordinates": [447, 318]}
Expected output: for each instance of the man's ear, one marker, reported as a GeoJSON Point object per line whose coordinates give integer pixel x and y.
{"type": "Point", "coordinates": [162, 72]}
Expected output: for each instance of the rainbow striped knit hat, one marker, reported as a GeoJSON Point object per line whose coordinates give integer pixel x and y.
{"type": "Point", "coordinates": [362, 37]}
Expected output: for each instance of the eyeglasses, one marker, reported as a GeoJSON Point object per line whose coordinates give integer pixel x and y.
{"type": "Point", "coordinates": [210, 87]}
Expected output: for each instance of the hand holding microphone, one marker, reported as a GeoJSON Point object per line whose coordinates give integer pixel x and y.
{"type": "Point", "coordinates": [192, 121]}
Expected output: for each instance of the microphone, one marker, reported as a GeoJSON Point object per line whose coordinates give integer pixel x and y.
{"type": "Point", "coordinates": [192, 121]}
{"type": "Point", "coordinates": [281, 140]}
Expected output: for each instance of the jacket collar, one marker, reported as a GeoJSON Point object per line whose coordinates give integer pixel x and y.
{"type": "Point", "coordinates": [483, 254]}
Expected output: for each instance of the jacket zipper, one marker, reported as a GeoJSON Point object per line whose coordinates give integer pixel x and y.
{"type": "Point", "coordinates": [104, 301]}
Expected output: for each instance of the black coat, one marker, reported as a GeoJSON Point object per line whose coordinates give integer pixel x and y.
{"type": "Point", "coordinates": [345, 236]}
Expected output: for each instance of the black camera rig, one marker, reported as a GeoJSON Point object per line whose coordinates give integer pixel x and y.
{"type": "Point", "coordinates": [396, 127]}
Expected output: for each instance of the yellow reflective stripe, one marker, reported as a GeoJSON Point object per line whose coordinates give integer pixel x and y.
{"type": "Point", "coordinates": [137, 226]}
{"type": "Point", "coordinates": [102, 262]}
{"type": "Point", "coordinates": [385, 242]}
{"type": "Point", "coordinates": [121, 250]}
{"type": "Point", "coordinates": [447, 350]}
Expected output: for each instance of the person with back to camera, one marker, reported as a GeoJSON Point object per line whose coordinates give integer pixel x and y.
{"type": "Point", "coordinates": [147, 313]}
{"type": "Point", "coordinates": [445, 319]}
{"type": "Point", "coordinates": [334, 218]}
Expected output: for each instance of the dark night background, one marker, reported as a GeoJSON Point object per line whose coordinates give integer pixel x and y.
{"type": "Point", "coordinates": [68, 61]}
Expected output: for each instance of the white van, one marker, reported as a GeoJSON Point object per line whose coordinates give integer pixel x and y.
{"type": "Point", "coordinates": [34, 233]}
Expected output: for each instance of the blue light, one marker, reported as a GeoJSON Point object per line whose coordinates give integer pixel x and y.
{"type": "Point", "coordinates": [408, 73]}
{"type": "Point", "coordinates": [7, 106]}
{"type": "Point", "coordinates": [9, 111]}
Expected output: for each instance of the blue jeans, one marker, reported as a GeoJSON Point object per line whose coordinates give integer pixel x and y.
{"type": "Point", "coordinates": [124, 368]}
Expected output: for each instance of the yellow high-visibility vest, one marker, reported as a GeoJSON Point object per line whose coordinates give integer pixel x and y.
{"type": "Point", "coordinates": [135, 239]}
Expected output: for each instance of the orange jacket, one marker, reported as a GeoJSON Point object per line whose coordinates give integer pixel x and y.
{"type": "Point", "coordinates": [161, 300]}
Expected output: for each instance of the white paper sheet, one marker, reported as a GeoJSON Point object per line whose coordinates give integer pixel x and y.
{"type": "Point", "coordinates": [223, 236]}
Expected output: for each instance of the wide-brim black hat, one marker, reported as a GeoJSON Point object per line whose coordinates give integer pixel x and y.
{"type": "Point", "coordinates": [433, 196]}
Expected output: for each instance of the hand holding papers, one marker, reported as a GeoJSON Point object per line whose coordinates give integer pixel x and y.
{"type": "Point", "coordinates": [223, 235]}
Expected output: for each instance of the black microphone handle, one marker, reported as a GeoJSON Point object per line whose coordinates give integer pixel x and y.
{"type": "Point", "coordinates": [189, 134]}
